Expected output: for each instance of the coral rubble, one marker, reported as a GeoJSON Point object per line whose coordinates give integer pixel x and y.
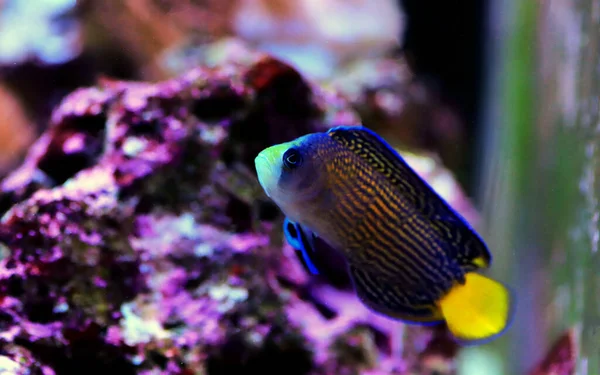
{"type": "Point", "coordinates": [560, 359]}
{"type": "Point", "coordinates": [135, 238]}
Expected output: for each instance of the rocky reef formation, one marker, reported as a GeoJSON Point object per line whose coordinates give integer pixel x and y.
{"type": "Point", "coordinates": [136, 239]}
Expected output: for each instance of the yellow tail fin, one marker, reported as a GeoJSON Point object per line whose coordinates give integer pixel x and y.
{"type": "Point", "coordinates": [480, 309]}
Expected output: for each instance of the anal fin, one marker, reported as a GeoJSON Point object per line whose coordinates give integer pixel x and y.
{"type": "Point", "coordinates": [391, 300]}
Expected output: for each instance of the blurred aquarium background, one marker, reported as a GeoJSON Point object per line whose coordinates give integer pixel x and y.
{"type": "Point", "coordinates": [135, 238]}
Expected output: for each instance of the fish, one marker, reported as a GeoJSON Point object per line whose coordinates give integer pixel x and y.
{"type": "Point", "coordinates": [409, 254]}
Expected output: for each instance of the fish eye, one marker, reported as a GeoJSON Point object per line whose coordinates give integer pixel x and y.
{"type": "Point", "coordinates": [292, 158]}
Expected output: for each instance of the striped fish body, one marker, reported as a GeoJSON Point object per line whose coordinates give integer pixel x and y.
{"type": "Point", "coordinates": [409, 255]}
{"type": "Point", "coordinates": [405, 247]}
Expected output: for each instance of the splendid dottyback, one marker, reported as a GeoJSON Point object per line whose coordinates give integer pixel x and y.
{"type": "Point", "coordinates": [409, 254]}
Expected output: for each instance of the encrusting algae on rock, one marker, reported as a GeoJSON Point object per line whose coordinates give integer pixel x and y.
{"type": "Point", "coordinates": [126, 249]}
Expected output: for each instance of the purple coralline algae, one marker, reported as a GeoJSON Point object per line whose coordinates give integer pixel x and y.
{"type": "Point", "coordinates": [135, 239]}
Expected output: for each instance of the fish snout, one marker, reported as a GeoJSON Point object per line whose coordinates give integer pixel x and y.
{"type": "Point", "coordinates": [262, 164]}
{"type": "Point", "coordinates": [265, 170]}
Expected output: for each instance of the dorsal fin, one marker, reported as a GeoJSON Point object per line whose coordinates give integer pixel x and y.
{"type": "Point", "coordinates": [465, 244]}
{"type": "Point", "coordinates": [462, 242]}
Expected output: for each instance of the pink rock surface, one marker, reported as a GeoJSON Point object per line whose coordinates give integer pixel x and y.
{"type": "Point", "coordinates": [129, 248]}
